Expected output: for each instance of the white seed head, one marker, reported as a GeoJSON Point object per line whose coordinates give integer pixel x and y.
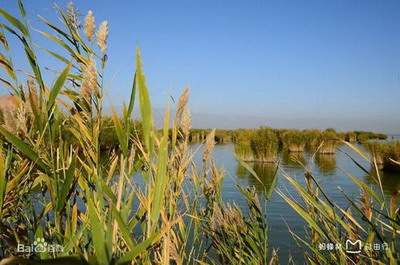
{"type": "Point", "coordinates": [89, 78]}
{"type": "Point", "coordinates": [90, 25]}
{"type": "Point", "coordinates": [102, 35]}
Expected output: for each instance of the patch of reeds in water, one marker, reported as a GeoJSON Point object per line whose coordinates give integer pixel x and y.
{"type": "Point", "coordinates": [294, 140]}
{"type": "Point", "coordinates": [385, 154]}
{"type": "Point", "coordinates": [260, 145]}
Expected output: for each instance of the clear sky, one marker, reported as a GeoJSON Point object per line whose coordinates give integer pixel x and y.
{"type": "Point", "coordinates": [250, 63]}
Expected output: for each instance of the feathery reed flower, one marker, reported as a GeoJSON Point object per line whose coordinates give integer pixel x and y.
{"type": "Point", "coordinates": [366, 204]}
{"type": "Point", "coordinates": [186, 122]}
{"type": "Point", "coordinates": [209, 146]}
{"type": "Point", "coordinates": [72, 16]}
{"type": "Point", "coordinates": [182, 103]}
{"type": "Point", "coordinates": [102, 35]}
{"type": "Point", "coordinates": [89, 79]}
{"type": "Point", "coordinates": [90, 25]}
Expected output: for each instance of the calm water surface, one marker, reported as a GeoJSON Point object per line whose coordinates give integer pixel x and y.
{"type": "Point", "coordinates": [330, 170]}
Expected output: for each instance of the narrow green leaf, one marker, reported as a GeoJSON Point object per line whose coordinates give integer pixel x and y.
{"type": "Point", "coordinates": [122, 138]}
{"type": "Point", "coordinates": [66, 187]}
{"type": "Point", "coordinates": [162, 176]}
{"type": "Point", "coordinates": [133, 95]}
{"type": "Point", "coordinates": [302, 212]}
{"type": "Point", "coordinates": [3, 179]}
{"type": "Point", "coordinates": [138, 249]}
{"type": "Point", "coordinates": [57, 87]}
{"type": "Point", "coordinates": [144, 103]}
{"type": "Point", "coordinates": [21, 8]}
{"type": "Point", "coordinates": [59, 57]}
{"type": "Point", "coordinates": [14, 21]}
{"type": "Point", "coordinates": [98, 234]}
{"type": "Point", "coordinates": [126, 235]}
{"type": "Point", "coordinates": [26, 150]}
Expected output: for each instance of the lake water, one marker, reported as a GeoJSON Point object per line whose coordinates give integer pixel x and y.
{"type": "Point", "coordinates": [331, 171]}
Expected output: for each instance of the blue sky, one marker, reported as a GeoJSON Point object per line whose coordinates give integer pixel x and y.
{"type": "Point", "coordinates": [250, 63]}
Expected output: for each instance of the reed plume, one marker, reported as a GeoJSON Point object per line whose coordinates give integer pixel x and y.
{"type": "Point", "coordinates": [72, 16]}
{"type": "Point", "coordinates": [102, 35]}
{"type": "Point", "coordinates": [90, 25]}
{"type": "Point", "coordinates": [89, 80]}
{"type": "Point", "coordinates": [182, 103]}
{"type": "Point", "coordinates": [209, 146]}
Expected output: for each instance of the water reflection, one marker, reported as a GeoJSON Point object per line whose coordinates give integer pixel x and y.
{"type": "Point", "coordinates": [390, 181]}
{"type": "Point", "coordinates": [326, 163]}
{"type": "Point", "coordinates": [266, 173]}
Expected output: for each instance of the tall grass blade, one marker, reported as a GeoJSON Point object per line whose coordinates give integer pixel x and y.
{"type": "Point", "coordinates": [57, 87]}
{"type": "Point", "coordinates": [14, 21]}
{"type": "Point", "coordinates": [144, 103]}
{"type": "Point", "coordinates": [162, 176]}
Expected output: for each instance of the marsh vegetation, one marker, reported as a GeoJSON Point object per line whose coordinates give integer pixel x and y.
{"type": "Point", "coordinates": [67, 172]}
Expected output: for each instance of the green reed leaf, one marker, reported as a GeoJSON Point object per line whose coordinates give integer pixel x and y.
{"type": "Point", "coordinates": [14, 21]}
{"type": "Point", "coordinates": [162, 176]}
{"type": "Point", "coordinates": [144, 103]}
{"type": "Point", "coordinates": [26, 150]}
{"type": "Point", "coordinates": [121, 134]}
{"type": "Point", "coordinates": [57, 87]}
{"type": "Point", "coordinates": [3, 178]}
{"type": "Point", "coordinates": [66, 186]}
{"type": "Point", "coordinates": [138, 249]}
{"type": "Point", "coordinates": [97, 231]}
{"type": "Point", "coordinates": [126, 235]}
